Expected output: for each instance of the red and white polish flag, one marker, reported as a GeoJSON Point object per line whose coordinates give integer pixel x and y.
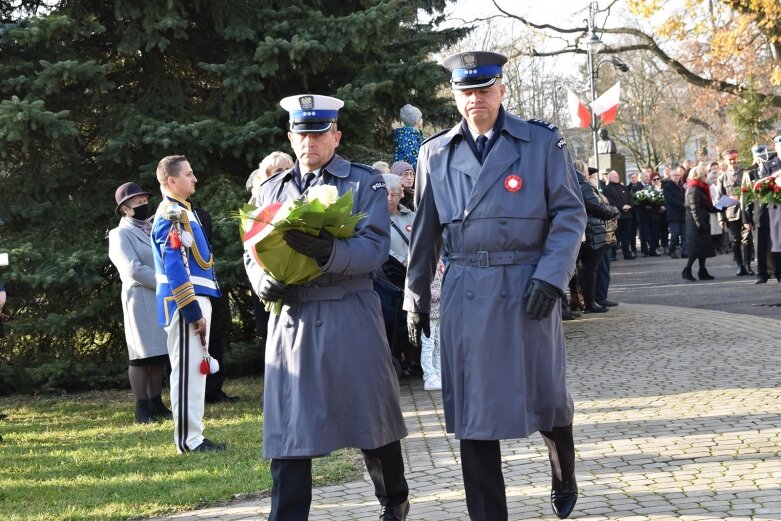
{"type": "Point", "coordinates": [606, 106]}
{"type": "Point", "coordinates": [581, 117]}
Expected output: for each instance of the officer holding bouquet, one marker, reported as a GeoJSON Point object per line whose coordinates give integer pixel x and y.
{"type": "Point", "coordinates": [500, 195]}
{"type": "Point", "coordinates": [329, 378]}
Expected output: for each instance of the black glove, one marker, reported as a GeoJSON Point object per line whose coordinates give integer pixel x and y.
{"type": "Point", "coordinates": [540, 298]}
{"type": "Point", "coordinates": [271, 289]}
{"type": "Point", "coordinates": [319, 248]}
{"type": "Point", "coordinates": [417, 322]}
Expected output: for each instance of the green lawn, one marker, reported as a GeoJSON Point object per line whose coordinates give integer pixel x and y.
{"type": "Point", "coordinates": [81, 457]}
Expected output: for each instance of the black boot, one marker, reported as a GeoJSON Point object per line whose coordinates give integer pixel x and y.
{"type": "Point", "coordinates": [159, 410]}
{"type": "Point", "coordinates": [704, 275]}
{"type": "Point", "coordinates": [741, 271]}
{"type": "Point", "coordinates": [144, 412]}
{"type": "Point", "coordinates": [561, 454]}
{"type": "Point", "coordinates": [686, 274]}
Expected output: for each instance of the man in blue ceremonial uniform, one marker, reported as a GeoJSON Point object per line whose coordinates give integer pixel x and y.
{"type": "Point", "coordinates": [329, 378]}
{"type": "Point", "coordinates": [500, 195]}
{"type": "Point", "coordinates": [184, 269]}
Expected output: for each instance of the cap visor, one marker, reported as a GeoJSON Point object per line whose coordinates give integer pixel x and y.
{"type": "Point", "coordinates": [310, 127]}
{"type": "Point", "coordinates": [473, 83]}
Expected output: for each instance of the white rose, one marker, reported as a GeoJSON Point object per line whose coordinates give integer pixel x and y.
{"type": "Point", "coordinates": [326, 194]}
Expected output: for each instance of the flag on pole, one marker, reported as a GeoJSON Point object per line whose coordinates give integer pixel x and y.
{"type": "Point", "coordinates": [606, 106]}
{"type": "Point", "coordinates": [581, 117]}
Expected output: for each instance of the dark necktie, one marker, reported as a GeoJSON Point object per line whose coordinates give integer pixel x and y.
{"type": "Point", "coordinates": [307, 180]}
{"type": "Point", "coordinates": [481, 142]}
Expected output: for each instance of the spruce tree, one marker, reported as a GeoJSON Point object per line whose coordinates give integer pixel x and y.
{"type": "Point", "coordinates": [94, 93]}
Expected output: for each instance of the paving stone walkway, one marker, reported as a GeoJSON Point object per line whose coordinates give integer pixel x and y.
{"type": "Point", "coordinates": [678, 416]}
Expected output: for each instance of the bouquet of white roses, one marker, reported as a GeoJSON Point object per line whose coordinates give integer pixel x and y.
{"type": "Point", "coordinates": [263, 230]}
{"type": "Point", "coordinates": [649, 196]}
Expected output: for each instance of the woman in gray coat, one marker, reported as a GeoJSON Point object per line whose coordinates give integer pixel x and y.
{"type": "Point", "coordinates": [130, 250]}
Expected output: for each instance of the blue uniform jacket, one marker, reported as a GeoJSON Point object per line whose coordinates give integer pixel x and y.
{"type": "Point", "coordinates": [184, 273]}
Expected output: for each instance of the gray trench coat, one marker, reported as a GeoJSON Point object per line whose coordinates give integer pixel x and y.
{"type": "Point", "coordinates": [503, 374]}
{"type": "Point", "coordinates": [329, 380]}
{"type": "Point", "coordinates": [130, 250]}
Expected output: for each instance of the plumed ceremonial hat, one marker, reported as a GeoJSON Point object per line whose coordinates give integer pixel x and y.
{"type": "Point", "coordinates": [125, 192]}
{"type": "Point", "coordinates": [311, 112]}
{"type": "Point", "coordinates": [474, 69]}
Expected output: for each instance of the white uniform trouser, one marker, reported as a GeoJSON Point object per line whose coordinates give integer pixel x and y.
{"type": "Point", "coordinates": [430, 360]}
{"type": "Point", "coordinates": [188, 385]}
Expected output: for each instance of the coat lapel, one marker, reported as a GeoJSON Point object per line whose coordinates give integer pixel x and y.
{"type": "Point", "coordinates": [504, 153]}
{"type": "Point", "coordinates": [135, 230]}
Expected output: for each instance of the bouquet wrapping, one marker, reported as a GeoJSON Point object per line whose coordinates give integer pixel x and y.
{"type": "Point", "coordinates": [263, 230]}
{"type": "Point", "coordinates": [649, 196]}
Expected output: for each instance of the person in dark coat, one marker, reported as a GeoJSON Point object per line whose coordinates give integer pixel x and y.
{"type": "Point", "coordinates": [768, 164]}
{"type": "Point", "coordinates": [698, 207]}
{"type": "Point", "coordinates": [618, 195]}
{"type": "Point", "coordinates": [214, 381]}
{"type": "Point", "coordinates": [647, 217]}
{"type": "Point", "coordinates": [597, 237]}
{"type": "Point", "coordinates": [676, 211]}
{"type": "Point", "coordinates": [329, 378]}
{"type": "Point", "coordinates": [500, 196]}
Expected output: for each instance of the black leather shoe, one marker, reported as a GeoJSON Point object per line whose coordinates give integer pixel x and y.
{"type": "Point", "coordinates": [221, 397]}
{"type": "Point", "coordinates": [395, 512]}
{"type": "Point", "coordinates": [761, 280]}
{"type": "Point", "coordinates": [595, 308]}
{"type": "Point", "coordinates": [608, 303]}
{"type": "Point", "coordinates": [208, 445]}
{"type": "Point", "coordinates": [563, 497]}
{"type": "Point", "coordinates": [749, 270]}
{"type": "Point", "coordinates": [742, 271]}
{"type": "Point", "coordinates": [653, 254]}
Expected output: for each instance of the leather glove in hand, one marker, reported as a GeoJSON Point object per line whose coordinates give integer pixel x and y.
{"type": "Point", "coordinates": [319, 248]}
{"type": "Point", "coordinates": [271, 289]}
{"type": "Point", "coordinates": [417, 322]}
{"type": "Point", "coordinates": [540, 298]}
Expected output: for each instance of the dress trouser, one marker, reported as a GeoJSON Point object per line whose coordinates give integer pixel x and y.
{"type": "Point", "coordinates": [677, 232]}
{"type": "Point", "coordinates": [603, 277]}
{"type": "Point", "coordinates": [625, 236]}
{"type": "Point", "coordinates": [740, 253]}
{"type": "Point", "coordinates": [481, 466]}
{"type": "Point", "coordinates": [291, 490]}
{"type": "Point", "coordinates": [762, 245]}
{"type": "Point", "coordinates": [187, 383]}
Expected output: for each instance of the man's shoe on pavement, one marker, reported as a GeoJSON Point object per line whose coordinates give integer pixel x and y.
{"type": "Point", "coordinates": [395, 512]}
{"type": "Point", "coordinates": [742, 271]}
{"type": "Point", "coordinates": [630, 257]}
{"type": "Point", "coordinates": [563, 497]}
{"type": "Point", "coordinates": [595, 308]}
{"type": "Point", "coordinates": [608, 303]}
{"type": "Point", "coordinates": [761, 279]}
{"type": "Point", "coordinates": [653, 254]}
{"type": "Point", "coordinates": [221, 397]}
{"type": "Point", "coordinates": [208, 445]}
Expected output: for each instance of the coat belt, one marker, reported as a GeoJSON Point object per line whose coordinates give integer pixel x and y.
{"type": "Point", "coordinates": [335, 291]}
{"type": "Point", "coordinates": [485, 259]}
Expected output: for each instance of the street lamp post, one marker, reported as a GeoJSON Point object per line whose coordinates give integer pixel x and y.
{"type": "Point", "coordinates": [593, 45]}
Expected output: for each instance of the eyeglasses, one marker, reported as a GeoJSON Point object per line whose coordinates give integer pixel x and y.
{"type": "Point", "coordinates": [408, 173]}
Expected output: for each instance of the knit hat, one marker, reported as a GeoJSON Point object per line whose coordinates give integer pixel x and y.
{"type": "Point", "coordinates": [410, 115]}
{"type": "Point", "coordinates": [400, 167]}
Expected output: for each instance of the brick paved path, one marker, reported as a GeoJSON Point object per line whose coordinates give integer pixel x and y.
{"type": "Point", "coordinates": [678, 416]}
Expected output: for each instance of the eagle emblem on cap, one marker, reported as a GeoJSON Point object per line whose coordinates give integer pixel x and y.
{"type": "Point", "coordinates": [469, 60]}
{"type": "Point", "coordinates": [306, 102]}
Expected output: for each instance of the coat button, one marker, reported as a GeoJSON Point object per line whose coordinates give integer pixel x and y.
{"type": "Point", "coordinates": [470, 295]}
{"type": "Point", "coordinates": [503, 294]}
{"type": "Point", "coordinates": [502, 221]}
{"type": "Point", "coordinates": [466, 224]}
{"type": "Point", "coordinates": [318, 322]}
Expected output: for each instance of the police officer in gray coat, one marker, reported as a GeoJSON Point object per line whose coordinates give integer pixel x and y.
{"type": "Point", "coordinates": [329, 377]}
{"type": "Point", "coordinates": [500, 195]}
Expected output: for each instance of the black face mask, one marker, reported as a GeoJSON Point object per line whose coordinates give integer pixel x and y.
{"type": "Point", "coordinates": [141, 212]}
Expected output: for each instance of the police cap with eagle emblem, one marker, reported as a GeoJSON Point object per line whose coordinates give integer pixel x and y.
{"type": "Point", "coordinates": [474, 69]}
{"type": "Point", "coordinates": [311, 112]}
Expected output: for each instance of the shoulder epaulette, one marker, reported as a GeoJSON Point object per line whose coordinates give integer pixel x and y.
{"type": "Point", "coordinates": [541, 123]}
{"type": "Point", "coordinates": [371, 170]}
{"type": "Point", "coordinates": [436, 135]}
